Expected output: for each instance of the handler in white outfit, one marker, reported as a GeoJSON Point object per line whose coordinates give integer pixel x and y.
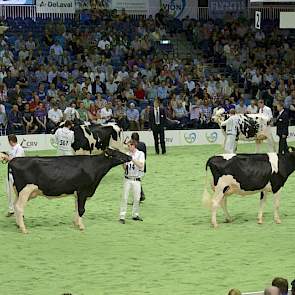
{"type": "Point", "coordinates": [16, 151]}
{"type": "Point", "coordinates": [64, 137]}
{"type": "Point", "coordinates": [231, 125]}
{"type": "Point", "coordinates": [134, 171]}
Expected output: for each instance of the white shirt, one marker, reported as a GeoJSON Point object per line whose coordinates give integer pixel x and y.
{"type": "Point", "coordinates": [55, 116]}
{"type": "Point", "coordinates": [266, 111]}
{"type": "Point", "coordinates": [102, 44]}
{"type": "Point", "coordinates": [64, 138]}
{"type": "Point", "coordinates": [57, 49]}
{"type": "Point", "coordinates": [231, 125]}
{"type": "Point", "coordinates": [106, 114]}
{"type": "Point", "coordinates": [252, 110]}
{"type": "Point", "coordinates": [157, 115]}
{"type": "Point", "coordinates": [71, 114]}
{"type": "Point", "coordinates": [16, 151]}
{"type": "Point", "coordinates": [131, 169]}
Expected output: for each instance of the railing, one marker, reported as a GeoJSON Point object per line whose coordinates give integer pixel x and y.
{"type": "Point", "coordinates": [201, 13]}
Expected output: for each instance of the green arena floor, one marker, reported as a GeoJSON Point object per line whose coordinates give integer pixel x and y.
{"type": "Point", "coordinates": [174, 251]}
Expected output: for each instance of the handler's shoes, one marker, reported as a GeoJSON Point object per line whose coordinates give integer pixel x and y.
{"type": "Point", "coordinates": [9, 214]}
{"type": "Point", "coordinates": [122, 221]}
{"type": "Point", "coordinates": [137, 218]}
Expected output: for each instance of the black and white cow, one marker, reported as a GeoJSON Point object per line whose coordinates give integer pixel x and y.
{"type": "Point", "coordinates": [94, 139]}
{"type": "Point", "coordinates": [252, 127]}
{"type": "Point", "coordinates": [59, 177]}
{"type": "Point", "coordinates": [245, 174]}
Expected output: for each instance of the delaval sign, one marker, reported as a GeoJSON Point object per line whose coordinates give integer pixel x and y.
{"type": "Point", "coordinates": [55, 6]}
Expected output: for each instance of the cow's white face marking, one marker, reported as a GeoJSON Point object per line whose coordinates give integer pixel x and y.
{"type": "Point", "coordinates": [227, 156]}
{"type": "Point", "coordinates": [235, 188]}
{"type": "Point", "coordinates": [274, 162]}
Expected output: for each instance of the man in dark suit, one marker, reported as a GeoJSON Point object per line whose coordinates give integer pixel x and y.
{"type": "Point", "coordinates": [282, 128]}
{"type": "Point", "coordinates": [157, 123]}
{"type": "Point", "coordinates": [141, 147]}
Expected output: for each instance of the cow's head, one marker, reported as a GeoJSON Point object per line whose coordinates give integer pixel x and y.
{"type": "Point", "coordinates": [3, 157]}
{"type": "Point", "coordinates": [117, 157]}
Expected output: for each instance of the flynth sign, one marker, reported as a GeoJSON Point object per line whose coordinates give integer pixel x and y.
{"type": "Point", "coordinates": [58, 6]}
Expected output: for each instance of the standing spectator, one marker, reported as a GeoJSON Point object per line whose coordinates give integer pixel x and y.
{"type": "Point", "coordinates": [41, 118]}
{"type": "Point", "coordinates": [281, 283]}
{"type": "Point", "coordinates": [28, 118]}
{"type": "Point", "coordinates": [15, 121]}
{"type": "Point", "coordinates": [133, 117]}
{"type": "Point", "coordinates": [265, 110]}
{"type": "Point", "coordinates": [282, 128]}
{"type": "Point", "coordinates": [157, 123]}
{"type": "Point", "coordinates": [106, 113]}
{"type": "Point", "coordinates": [134, 171]}
{"type": "Point", "coordinates": [55, 116]}
{"type": "Point", "coordinates": [252, 107]}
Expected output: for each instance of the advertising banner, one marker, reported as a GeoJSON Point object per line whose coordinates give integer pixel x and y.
{"type": "Point", "coordinates": [55, 6]}
{"type": "Point", "coordinates": [219, 8]}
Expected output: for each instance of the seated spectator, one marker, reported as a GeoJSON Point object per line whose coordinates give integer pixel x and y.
{"type": "Point", "coordinates": [52, 91]}
{"type": "Point", "coordinates": [252, 108]}
{"type": "Point", "coordinates": [106, 113]}
{"type": "Point", "coordinates": [272, 291]}
{"type": "Point", "coordinates": [241, 107]}
{"type": "Point", "coordinates": [15, 121]}
{"type": "Point", "coordinates": [94, 114]}
{"type": "Point", "coordinates": [3, 119]}
{"type": "Point", "coordinates": [228, 106]}
{"type": "Point", "coordinates": [71, 113]}
{"type": "Point", "coordinates": [22, 80]}
{"type": "Point", "coordinates": [206, 114]}
{"type": "Point", "coordinates": [13, 94]}
{"type": "Point", "coordinates": [234, 292]}
{"type": "Point", "coordinates": [282, 284]}
{"type": "Point", "coordinates": [145, 118]}
{"type": "Point", "coordinates": [100, 102]}
{"type": "Point", "coordinates": [55, 116]}
{"type": "Point", "coordinates": [34, 103]}
{"type": "Point", "coordinates": [41, 118]}
{"type": "Point", "coordinates": [83, 113]}
{"type": "Point", "coordinates": [20, 104]}
{"type": "Point", "coordinates": [41, 92]}
{"type": "Point", "coordinates": [61, 102]}
{"type": "Point", "coordinates": [9, 80]}
{"type": "Point", "coordinates": [181, 113]}
{"type": "Point", "coordinates": [87, 101]}
{"type": "Point", "coordinates": [3, 92]}
{"type": "Point", "coordinates": [139, 93]}
{"type": "Point", "coordinates": [120, 115]}
{"type": "Point", "coordinates": [195, 114]}
{"type": "Point", "coordinates": [133, 117]}
{"type": "Point", "coordinates": [28, 119]}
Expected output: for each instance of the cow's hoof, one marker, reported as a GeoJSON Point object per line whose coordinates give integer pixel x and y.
{"type": "Point", "coordinates": [228, 220]}
{"type": "Point", "coordinates": [215, 225]}
{"type": "Point", "coordinates": [278, 221]}
{"type": "Point", "coordinates": [81, 227]}
{"type": "Point", "coordinates": [24, 231]}
{"type": "Point", "coordinates": [259, 221]}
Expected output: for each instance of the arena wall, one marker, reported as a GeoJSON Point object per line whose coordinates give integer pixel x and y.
{"type": "Point", "coordinates": [39, 142]}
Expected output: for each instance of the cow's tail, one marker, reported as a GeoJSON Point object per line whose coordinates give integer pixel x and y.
{"type": "Point", "coordinates": [207, 197]}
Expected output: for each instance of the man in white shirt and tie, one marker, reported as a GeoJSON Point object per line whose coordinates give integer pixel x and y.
{"type": "Point", "coordinates": [134, 171]}
{"type": "Point", "coordinates": [265, 110]}
{"type": "Point", "coordinates": [16, 151]}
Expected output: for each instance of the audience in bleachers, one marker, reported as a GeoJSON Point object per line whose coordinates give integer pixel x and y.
{"type": "Point", "coordinates": [109, 66]}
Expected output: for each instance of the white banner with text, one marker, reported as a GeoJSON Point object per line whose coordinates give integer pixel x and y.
{"type": "Point", "coordinates": [55, 6]}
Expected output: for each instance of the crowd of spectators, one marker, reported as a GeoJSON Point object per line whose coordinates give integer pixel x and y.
{"type": "Point", "coordinates": [109, 67]}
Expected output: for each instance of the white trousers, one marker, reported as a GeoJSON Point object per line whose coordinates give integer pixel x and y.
{"type": "Point", "coordinates": [65, 153]}
{"type": "Point", "coordinates": [10, 193]}
{"type": "Point", "coordinates": [136, 188]}
{"type": "Point", "coordinates": [230, 144]}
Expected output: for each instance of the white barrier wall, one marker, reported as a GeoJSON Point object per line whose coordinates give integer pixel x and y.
{"type": "Point", "coordinates": [173, 138]}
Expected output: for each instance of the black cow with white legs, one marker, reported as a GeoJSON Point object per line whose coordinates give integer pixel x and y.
{"type": "Point", "coordinates": [245, 174]}
{"type": "Point", "coordinates": [56, 177]}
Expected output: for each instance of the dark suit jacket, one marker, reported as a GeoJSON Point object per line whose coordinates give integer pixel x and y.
{"type": "Point", "coordinates": [283, 124]}
{"type": "Point", "coordinates": [142, 147]}
{"type": "Point", "coordinates": [153, 119]}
